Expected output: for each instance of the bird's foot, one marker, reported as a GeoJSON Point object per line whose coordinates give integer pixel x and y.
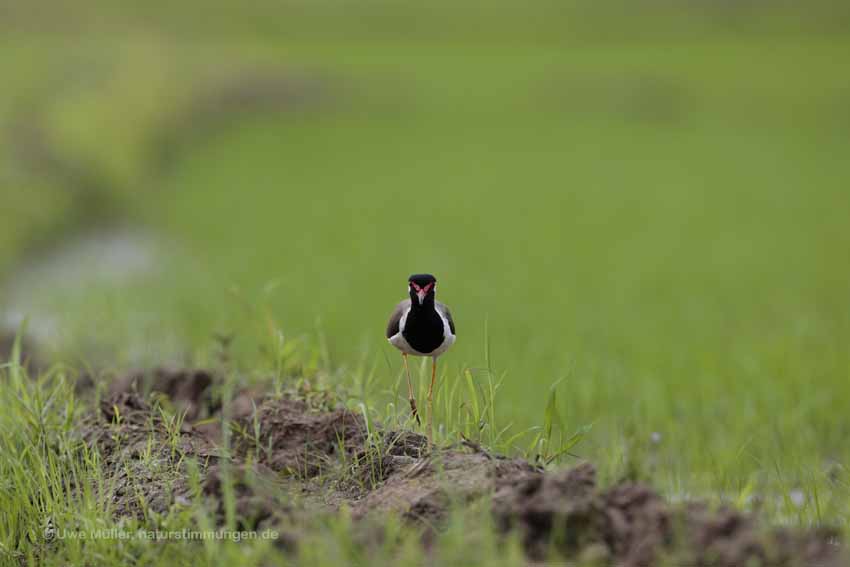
{"type": "Point", "coordinates": [414, 411]}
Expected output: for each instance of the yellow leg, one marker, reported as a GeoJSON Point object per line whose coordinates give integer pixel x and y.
{"type": "Point", "coordinates": [431, 398]}
{"type": "Point", "coordinates": [410, 397]}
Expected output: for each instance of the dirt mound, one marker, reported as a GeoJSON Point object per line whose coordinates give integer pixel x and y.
{"type": "Point", "coordinates": [542, 506]}
{"type": "Point", "coordinates": [187, 389]}
{"type": "Point", "coordinates": [630, 524]}
{"type": "Point", "coordinates": [423, 488]}
{"type": "Point", "coordinates": [292, 438]}
{"type": "Point", "coordinates": [727, 537]}
{"type": "Point", "coordinates": [142, 450]}
{"type": "Point", "coordinates": [290, 458]}
{"type": "Point", "coordinates": [255, 489]}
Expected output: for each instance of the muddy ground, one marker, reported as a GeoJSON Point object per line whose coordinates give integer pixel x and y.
{"type": "Point", "coordinates": [294, 458]}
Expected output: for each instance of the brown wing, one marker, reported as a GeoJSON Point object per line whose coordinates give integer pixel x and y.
{"type": "Point", "coordinates": [392, 325]}
{"type": "Point", "coordinates": [445, 309]}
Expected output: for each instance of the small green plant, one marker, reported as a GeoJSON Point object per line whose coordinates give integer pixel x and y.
{"type": "Point", "coordinates": [550, 442]}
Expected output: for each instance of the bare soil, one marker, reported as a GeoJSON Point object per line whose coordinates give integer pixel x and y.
{"type": "Point", "coordinates": [292, 458]}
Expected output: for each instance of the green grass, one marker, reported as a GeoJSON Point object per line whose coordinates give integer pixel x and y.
{"type": "Point", "coordinates": [655, 223]}
{"type": "Point", "coordinates": [57, 511]}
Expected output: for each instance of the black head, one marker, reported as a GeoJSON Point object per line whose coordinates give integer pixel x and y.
{"type": "Point", "coordinates": [422, 288]}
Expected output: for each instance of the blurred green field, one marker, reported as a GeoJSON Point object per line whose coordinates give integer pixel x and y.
{"type": "Point", "coordinates": [677, 256]}
{"type": "Point", "coordinates": [655, 218]}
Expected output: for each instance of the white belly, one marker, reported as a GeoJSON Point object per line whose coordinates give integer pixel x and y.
{"type": "Point", "coordinates": [401, 343]}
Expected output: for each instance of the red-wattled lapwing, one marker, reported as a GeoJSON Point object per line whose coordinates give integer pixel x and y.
{"type": "Point", "coordinates": [421, 326]}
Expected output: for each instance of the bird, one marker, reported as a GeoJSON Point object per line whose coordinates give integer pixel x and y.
{"type": "Point", "coordinates": [421, 326]}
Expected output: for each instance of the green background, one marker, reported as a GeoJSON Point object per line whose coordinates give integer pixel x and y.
{"type": "Point", "coordinates": [646, 203]}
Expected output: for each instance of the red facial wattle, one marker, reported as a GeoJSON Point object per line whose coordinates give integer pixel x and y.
{"type": "Point", "coordinates": [422, 291]}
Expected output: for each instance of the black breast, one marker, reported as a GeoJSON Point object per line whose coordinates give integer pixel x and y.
{"type": "Point", "coordinates": [423, 330]}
